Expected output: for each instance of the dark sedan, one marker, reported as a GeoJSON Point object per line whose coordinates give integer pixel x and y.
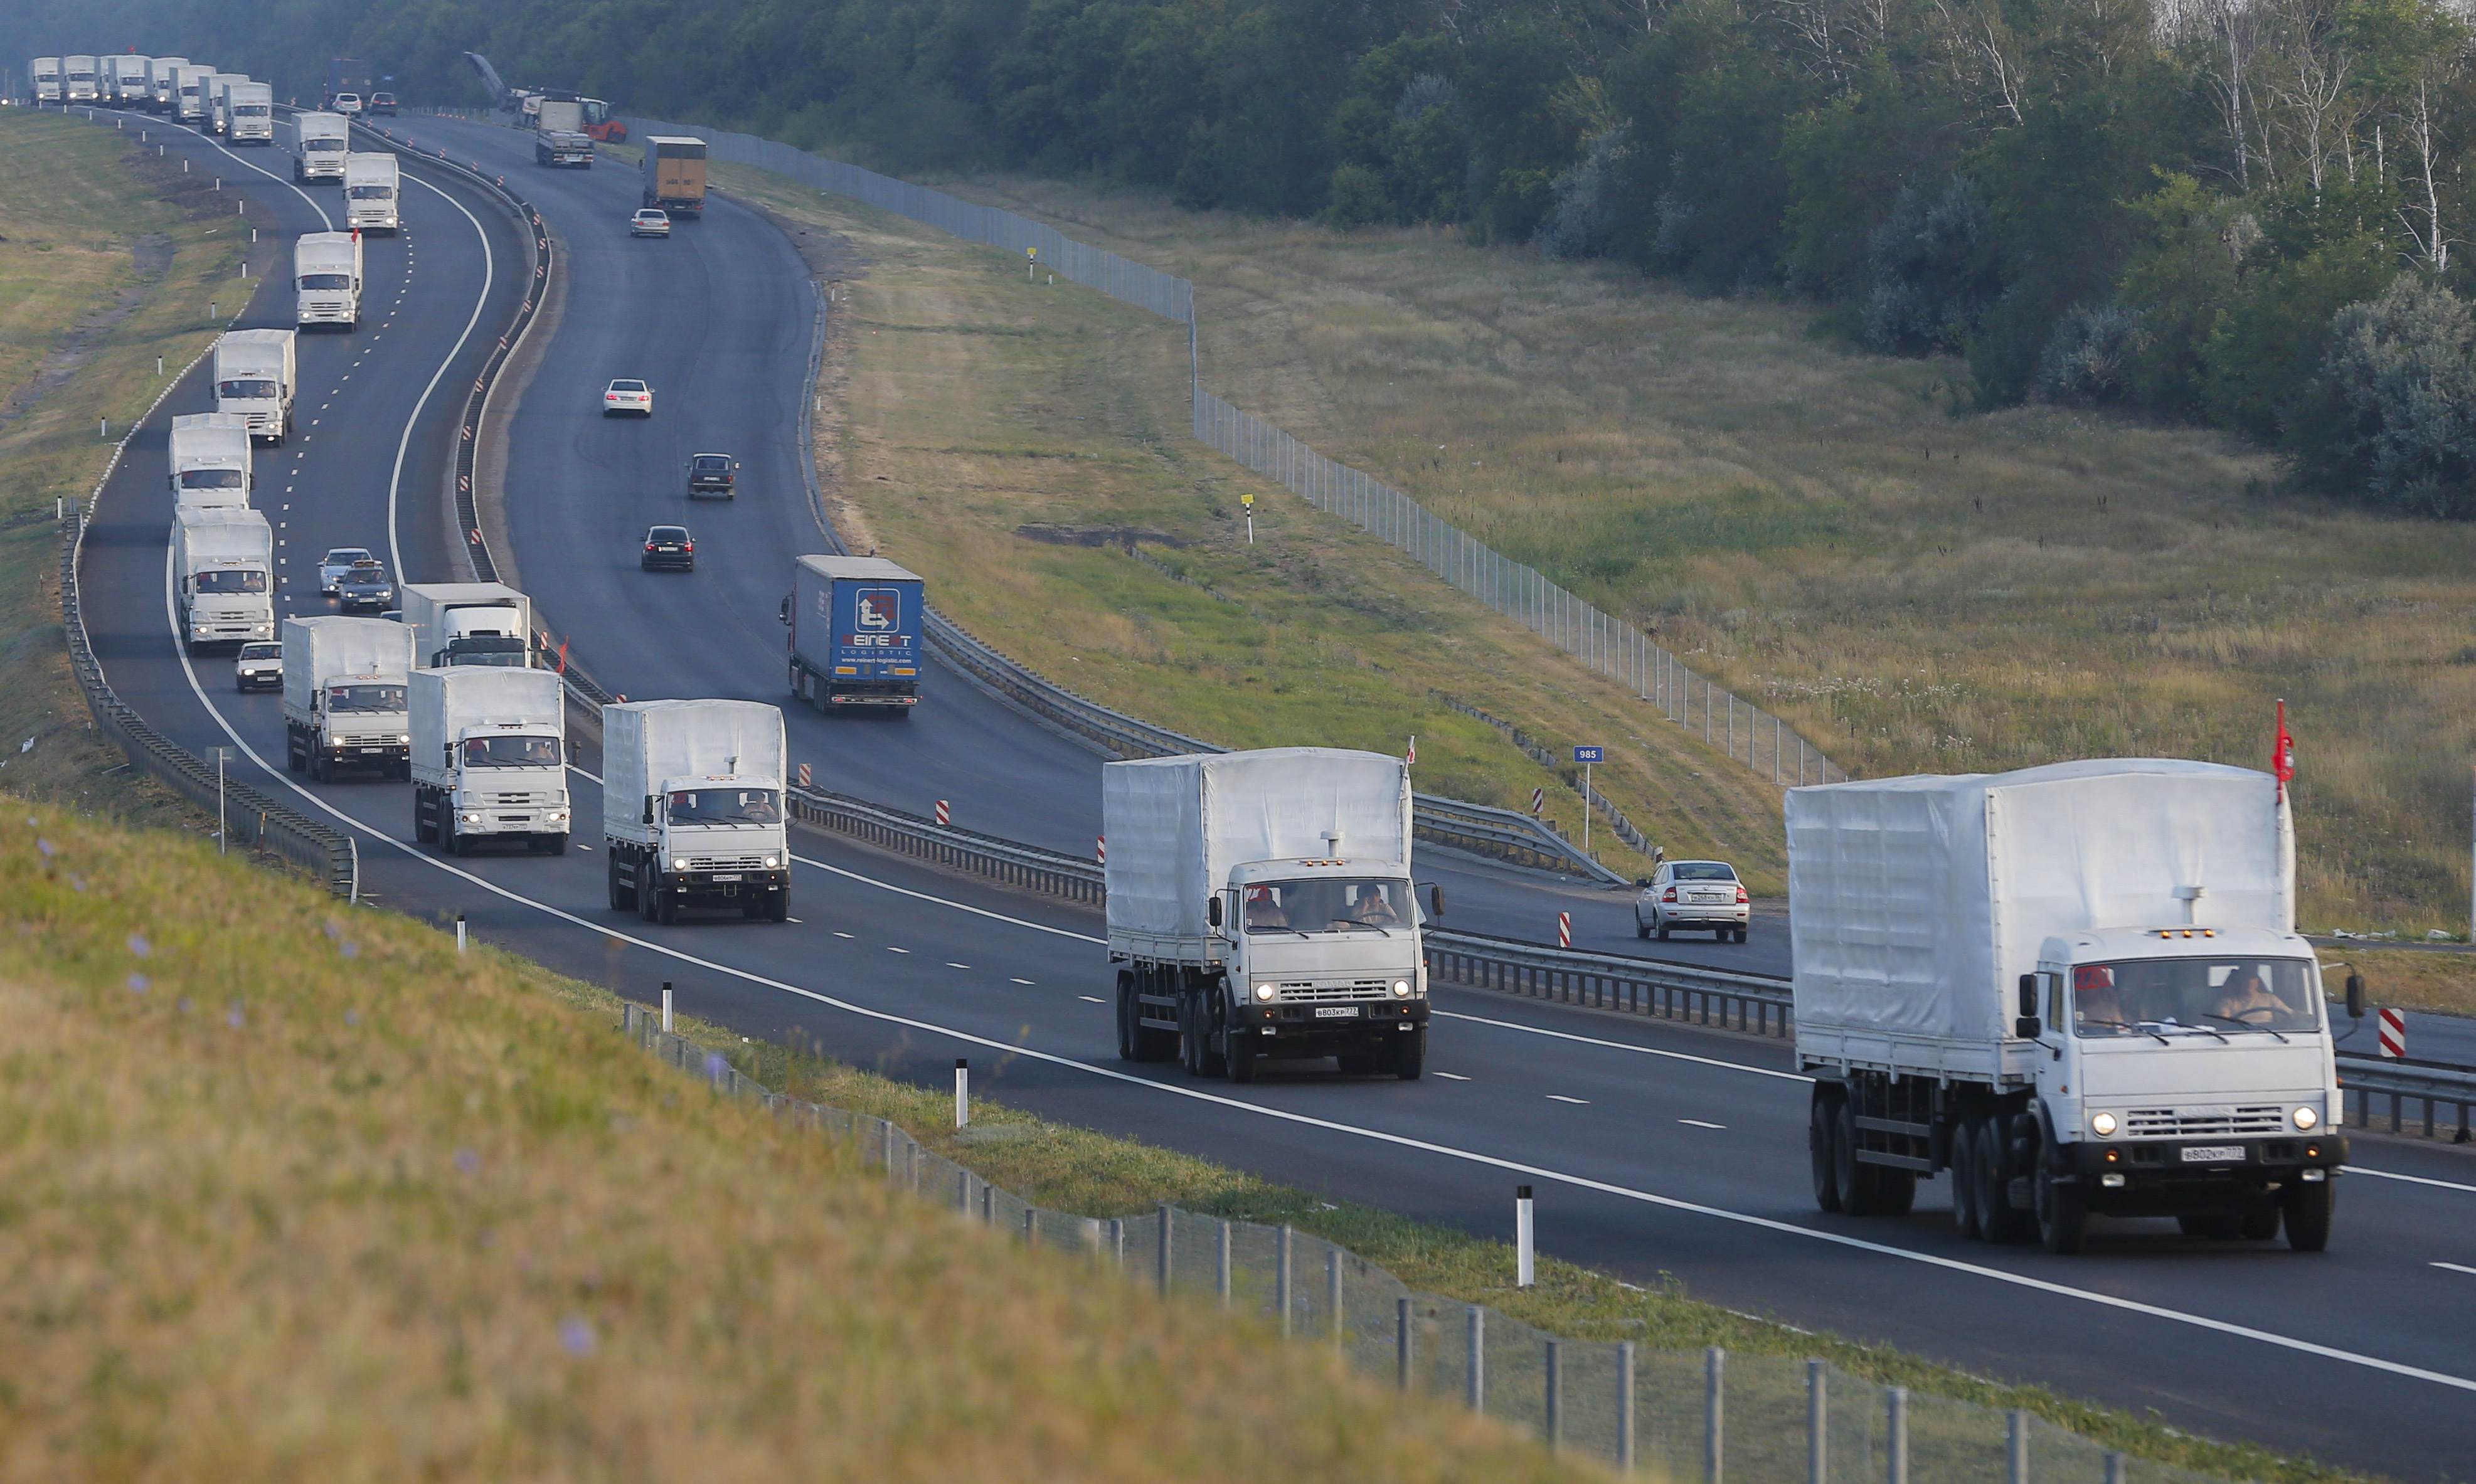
{"type": "Point", "coordinates": [365, 588]}
{"type": "Point", "coordinates": [713, 474]}
{"type": "Point", "coordinates": [669, 548]}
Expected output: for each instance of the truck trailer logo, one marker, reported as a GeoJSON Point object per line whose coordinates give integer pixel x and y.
{"type": "Point", "coordinates": [879, 610]}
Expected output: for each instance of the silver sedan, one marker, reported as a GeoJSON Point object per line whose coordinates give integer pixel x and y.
{"type": "Point", "coordinates": [1693, 895]}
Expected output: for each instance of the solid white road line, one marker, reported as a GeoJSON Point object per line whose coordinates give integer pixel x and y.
{"type": "Point", "coordinates": [2410, 1179]}
{"type": "Point", "coordinates": [2456, 1267]}
{"type": "Point", "coordinates": [481, 301]}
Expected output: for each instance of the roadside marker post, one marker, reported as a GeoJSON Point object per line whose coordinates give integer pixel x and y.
{"type": "Point", "coordinates": [666, 1007]}
{"type": "Point", "coordinates": [1100, 850]}
{"type": "Point", "coordinates": [1537, 803]}
{"type": "Point", "coordinates": [2394, 1034]}
{"type": "Point", "coordinates": [1248, 500]}
{"type": "Point", "coordinates": [945, 815]}
{"type": "Point", "coordinates": [460, 933]}
{"type": "Point", "coordinates": [807, 779]}
{"type": "Point", "coordinates": [1587, 756]}
{"type": "Point", "coordinates": [1524, 1263]}
{"type": "Point", "coordinates": [1564, 930]}
{"type": "Point", "coordinates": [962, 1092]}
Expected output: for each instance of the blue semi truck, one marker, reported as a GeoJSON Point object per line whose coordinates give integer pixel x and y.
{"type": "Point", "coordinates": [855, 625]}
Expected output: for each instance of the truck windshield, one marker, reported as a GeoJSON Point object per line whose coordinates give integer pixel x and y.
{"type": "Point", "coordinates": [2228, 996]}
{"type": "Point", "coordinates": [316, 144]}
{"type": "Point", "coordinates": [251, 109]}
{"type": "Point", "coordinates": [726, 806]}
{"type": "Point", "coordinates": [511, 751]}
{"type": "Point", "coordinates": [245, 386]}
{"type": "Point", "coordinates": [326, 280]}
{"type": "Point", "coordinates": [1329, 904]}
{"type": "Point", "coordinates": [364, 697]}
{"type": "Point", "coordinates": [508, 654]}
{"type": "Point", "coordinates": [230, 582]}
{"type": "Point", "coordinates": [372, 193]}
{"type": "Point", "coordinates": [211, 479]}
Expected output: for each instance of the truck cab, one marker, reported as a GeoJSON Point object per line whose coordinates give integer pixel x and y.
{"type": "Point", "coordinates": [489, 759]}
{"type": "Point", "coordinates": [2183, 1066]}
{"type": "Point", "coordinates": [46, 74]}
{"type": "Point", "coordinates": [1319, 949]}
{"type": "Point", "coordinates": [370, 183]}
{"type": "Point", "coordinates": [324, 139]}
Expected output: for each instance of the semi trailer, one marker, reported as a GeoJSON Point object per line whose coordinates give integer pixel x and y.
{"type": "Point", "coordinates": [855, 628]}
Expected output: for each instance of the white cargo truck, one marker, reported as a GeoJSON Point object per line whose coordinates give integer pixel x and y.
{"type": "Point", "coordinates": [692, 808]}
{"type": "Point", "coordinates": [209, 458]}
{"type": "Point", "coordinates": [2078, 988]}
{"type": "Point", "coordinates": [370, 182]}
{"type": "Point", "coordinates": [321, 141]}
{"type": "Point", "coordinates": [327, 278]}
{"type": "Point", "coordinates": [1260, 907]}
{"type": "Point", "coordinates": [45, 74]}
{"type": "Point", "coordinates": [344, 707]}
{"type": "Point", "coordinates": [77, 78]}
{"type": "Point", "coordinates": [159, 95]}
{"type": "Point", "coordinates": [256, 376]}
{"type": "Point", "coordinates": [249, 109]}
{"type": "Point", "coordinates": [223, 581]}
{"type": "Point", "coordinates": [190, 84]}
{"type": "Point", "coordinates": [489, 759]}
{"type": "Point", "coordinates": [126, 75]}
{"type": "Point", "coordinates": [469, 624]}
{"type": "Point", "coordinates": [219, 95]}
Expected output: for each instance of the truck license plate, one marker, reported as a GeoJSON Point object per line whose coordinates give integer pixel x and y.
{"type": "Point", "coordinates": [1336, 1012]}
{"type": "Point", "coordinates": [2215, 1155]}
{"type": "Point", "coordinates": [726, 877]}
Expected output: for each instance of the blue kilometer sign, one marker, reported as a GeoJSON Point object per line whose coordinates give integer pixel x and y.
{"type": "Point", "coordinates": [1590, 753]}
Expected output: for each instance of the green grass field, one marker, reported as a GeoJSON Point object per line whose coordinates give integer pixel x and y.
{"type": "Point", "coordinates": [1920, 589]}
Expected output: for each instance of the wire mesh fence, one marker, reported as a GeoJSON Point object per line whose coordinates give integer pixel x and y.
{"type": "Point", "coordinates": [1686, 1415]}
{"type": "Point", "coordinates": [1763, 742]}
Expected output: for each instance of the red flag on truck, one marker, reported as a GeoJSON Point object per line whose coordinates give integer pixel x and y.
{"type": "Point", "coordinates": [2282, 753]}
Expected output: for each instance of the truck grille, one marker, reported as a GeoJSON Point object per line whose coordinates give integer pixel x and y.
{"type": "Point", "coordinates": [524, 798]}
{"type": "Point", "coordinates": [2202, 1122]}
{"type": "Point", "coordinates": [726, 862]}
{"type": "Point", "coordinates": [1355, 989]}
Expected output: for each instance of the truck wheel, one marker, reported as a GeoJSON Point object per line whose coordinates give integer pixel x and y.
{"type": "Point", "coordinates": [317, 765]}
{"type": "Point", "coordinates": [1129, 1028]}
{"type": "Point", "coordinates": [1821, 1127]}
{"type": "Point", "coordinates": [1965, 1201]}
{"type": "Point", "coordinates": [420, 818]}
{"type": "Point", "coordinates": [2063, 1214]}
{"type": "Point", "coordinates": [1895, 1191]}
{"type": "Point", "coordinates": [1240, 1057]}
{"type": "Point", "coordinates": [1860, 1185]}
{"type": "Point", "coordinates": [649, 890]}
{"type": "Point", "coordinates": [459, 843]}
{"type": "Point", "coordinates": [2308, 1208]}
{"type": "Point", "coordinates": [622, 898]}
{"type": "Point", "coordinates": [1995, 1216]}
{"type": "Point", "coordinates": [293, 761]}
{"type": "Point", "coordinates": [1210, 1061]}
{"type": "Point", "coordinates": [2259, 1225]}
{"type": "Point", "coordinates": [1410, 1055]}
{"type": "Point", "coordinates": [553, 845]}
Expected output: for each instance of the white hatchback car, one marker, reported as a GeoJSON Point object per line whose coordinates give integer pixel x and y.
{"type": "Point", "coordinates": [1695, 896]}
{"type": "Point", "coordinates": [348, 104]}
{"type": "Point", "coordinates": [626, 397]}
{"type": "Point", "coordinates": [261, 666]}
{"type": "Point", "coordinates": [338, 562]}
{"type": "Point", "coordinates": [651, 222]}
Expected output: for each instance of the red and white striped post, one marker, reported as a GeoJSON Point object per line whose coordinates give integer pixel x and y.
{"type": "Point", "coordinates": [1101, 849]}
{"type": "Point", "coordinates": [2394, 1033]}
{"type": "Point", "coordinates": [1538, 802]}
{"type": "Point", "coordinates": [1564, 930]}
{"type": "Point", "coordinates": [945, 815]}
{"type": "Point", "coordinates": [807, 779]}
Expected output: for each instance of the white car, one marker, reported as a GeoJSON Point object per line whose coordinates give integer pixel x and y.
{"type": "Point", "coordinates": [651, 222]}
{"type": "Point", "coordinates": [348, 104]}
{"type": "Point", "coordinates": [626, 398]}
{"type": "Point", "coordinates": [333, 566]}
{"type": "Point", "coordinates": [1695, 896]}
{"type": "Point", "coordinates": [260, 667]}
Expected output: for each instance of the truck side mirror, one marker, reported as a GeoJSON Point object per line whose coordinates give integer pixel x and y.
{"type": "Point", "coordinates": [1212, 911]}
{"type": "Point", "coordinates": [2028, 1027]}
{"type": "Point", "coordinates": [784, 612]}
{"type": "Point", "coordinates": [1435, 900]}
{"type": "Point", "coordinates": [649, 809]}
{"type": "Point", "coordinates": [2028, 995]}
{"type": "Point", "coordinates": [2355, 996]}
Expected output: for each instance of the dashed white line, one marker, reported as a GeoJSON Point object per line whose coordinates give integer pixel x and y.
{"type": "Point", "coordinates": [1023, 981]}
{"type": "Point", "coordinates": [1092, 998]}
{"type": "Point", "coordinates": [841, 934]}
{"type": "Point", "coordinates": [1696, 1122]}
{"type": "Point", "coordinates": [951, 964]}
{"type": "Point", "coordinates": [905, 951]}
{"type": "Point", "coordinates": [1561, 1098]}
{"type": "Point", "coordinates": [1453, 1077]}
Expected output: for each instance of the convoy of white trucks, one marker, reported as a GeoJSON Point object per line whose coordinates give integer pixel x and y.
{"type": "Point", "coordinates": [124, 80]}
{"type": "Point", "coordinates": [692, 808]}
{"type": "Point", "coordinates": [456, 624]}
{"type": "Point", "coordinates": [321, 141]}
{"type": "Point", "coordinates": [2078, 988]}
{"type": "Point", "coordinates": [218, 90]}
{"type": "Point", "coordinates": [189, 83]}
{"type": "Point", "coordinates": [257, 373]}
{"type": "Point", "coordinates": [370, 186]}
{"type": "Point", "coordinates": [1261, 907]}
{"type": "Point", "coordinates": [223, 575]}
{"type": "Point", "coordinates": [489, 759]}
{"type": "Point", "coordinates": [250, 113]}
{"type": "Point", "coordinates": [159, 74]}
{"type": "Point", "coordinates": [327, 278]}
{"type": "Point", "coordinates": [344, 704]}
{"type": "Point", "coordinates": [209, 458]}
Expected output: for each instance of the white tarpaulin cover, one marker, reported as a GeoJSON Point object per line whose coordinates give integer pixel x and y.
{"type": "Point", "coordinates": [320, 650]}
{"type": "Point", "coordinates": [1175, 825]}
{"type": "Point", "coordinates": [445, 704]}
{"type": "Point", "coordinates": [1916, 903]}
{"type": "Point", "coordinates": [645, 743]}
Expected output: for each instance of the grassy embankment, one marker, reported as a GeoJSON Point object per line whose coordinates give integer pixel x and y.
{"type": "Point", "coordinates": [1925, 589]}
{"type": "Point", "coordinates": [291, 1191]}
{"type": "Point", "coordinates": [1009, 439]}
{"type": "Point", "coordinates": [108, 260]}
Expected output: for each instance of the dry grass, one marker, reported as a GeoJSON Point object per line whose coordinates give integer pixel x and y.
{"type": "Point", "coordinates": [975, 413]}
{"type": "Point", "coordinates": [108, 260]}
{"type": "Point", "coordinates": [2440, 983]}
{"type": "Point", "coordinates": [1920, 590]}
{"type": "Point", "coordinates": [290, 1191]}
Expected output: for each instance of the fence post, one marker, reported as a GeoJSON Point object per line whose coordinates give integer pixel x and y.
{"type": "Point", "coordinates": [2015, 1437]}
{"type": "Point", "coordinates": [963, 1192]}
{"type": "Point", "coordinates": [1555, 1395]}
{"type": "Point", "coordinates": [1477, 1335]}
{"type": "Point", "coordinates": [2115, 1469]}
{"type": "Point", "coordinates": [1118, 1241]}
{"type": "Point", "coordinates": [1401, 1341]}
{"type": "Point", "coordinates": [1281, 1280]}
{"type": "Point", "coordinates": [1220, 1275]}
{"type": "Point", "coordinates": [1715, 1368]}
{"type": "Point", "coordinates": [888, 1124]}
{"type": "Point", "coordinates": [1163, 1260]}
{"type": "Point", "coordinates": [1625, 1406]}
{"type": "Point", "coordinates": [1895, 1435]}
{"type": "Point", "coordinates": [1817, 1424]}
{"type": "Point", "coordinates": [1332, 1294]}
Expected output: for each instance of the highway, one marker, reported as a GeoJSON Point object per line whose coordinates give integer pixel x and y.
{"type": "Point", "coordinates": [1658, 1149]}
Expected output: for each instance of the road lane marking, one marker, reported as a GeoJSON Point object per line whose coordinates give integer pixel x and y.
{"type": "Point", "coordinates": [1621, 1046]}
{"type": "Point", "coordinates": [2456, 1267]}
{"type": "Point", "coordinates": [889, 948]}
{"type": "Point", "coordinates": [481, 301]}
{"type": "Point", "coordinates": [1577, 1102]}
{"type": "Point", "coordinates": [841, 934]}
{"type": "Point", "coordinates": [1453, 1077]}
{"type": "Point", "coordinates": [1699, 1124]}
{"type": "Point", "coordinates": [1022, 981]}
{"type": "Point", "coordinates": [1092, 998]}
{"type": "Point", "coordinates": [2410, 1179]}
{"type": "Point", "coordinates": [951, 964]}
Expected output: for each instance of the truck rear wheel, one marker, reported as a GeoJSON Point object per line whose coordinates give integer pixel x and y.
{"type": "Point", "coordinates": [2307, 1207]}
{"type": "Point", "coordinates": [623, 898]}
{"type": "Point", "coordinates": [424, 830]}
{"type": "Point", "coordinates": [1966, 1204]}
{"type": "Point", "coordinates": [1821, 1130]}
{"type": "Point", "coordinates": [1860, 1185]}
{"type": "Point", "coordinates": [1128, 1011]}
{"type": "Point", "coordinates": [293, 758]}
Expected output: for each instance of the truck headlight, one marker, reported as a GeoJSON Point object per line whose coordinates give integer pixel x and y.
{"type": "Point", "coordinates": [2306, 1118]}
{"type": "Point", "coordinates": [773, 861]}
{"type": "Point", "coordinates": [470, 817]}
{"type": "Point", "coordinates": [679, 862]}
{"type": "Point", "coordinates": [405, 737]}
{"type": "Point", "coordinates": [2102, 1124]}
{"type": "Point", "coordinates": [1401, 989]}
{"type": "Point", "coordinates": [1263, 991]}
{"type": "Point", "coordinates": [556, 816]}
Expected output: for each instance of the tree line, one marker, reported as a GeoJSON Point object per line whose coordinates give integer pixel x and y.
{"type": "Point", "coordinates": [2241, 212]}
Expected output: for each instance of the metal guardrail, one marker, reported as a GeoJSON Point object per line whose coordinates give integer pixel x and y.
{"type": "Point", "coordinates": [1755, 1002]}
{"type": "Point", "coordinates": [2431, 1085]}
{"type": "Point", "coordinates": [1026, 866]}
